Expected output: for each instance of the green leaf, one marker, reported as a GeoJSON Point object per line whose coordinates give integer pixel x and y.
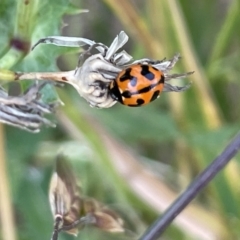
{"type": "Point", "coordinates": [136, 124]}
{"type": "Point", "coordinates": [34, 20]}
{"type": "Point", "coordinates": [7, 11]}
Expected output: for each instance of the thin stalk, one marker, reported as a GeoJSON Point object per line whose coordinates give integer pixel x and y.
{"type": "Point", "coordinates": [223, 37]}
{"type": "Point", "coordinates": [8, 75]}
{"type": "Point", "coordinates": [208, 103]}
{"type": "Point", "coordinates": [6, 210]}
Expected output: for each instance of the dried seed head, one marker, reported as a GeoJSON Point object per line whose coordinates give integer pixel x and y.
{"type": "Point", "coordinates": [71, 210]}
{"type": "Point", "coordinates": [26, 111]}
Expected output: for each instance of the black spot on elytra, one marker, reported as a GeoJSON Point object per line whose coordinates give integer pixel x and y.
{"type": "Point", "coordinates": [155, 95]}
{"type": "Point", "coordinates": [148, 88]}
{"type": "Point", "coordinates": [146, 73]}
{"type": "Point", "coordinates": [115, 93]}
{"type": "Point", "coordinates": [127, 94]}
{"type": "Point", "coordinates": [162, 79]}
{"type": "Point", "coordinates": [140, 102]}
{"type": "Point", "coordinates": [126, 76]}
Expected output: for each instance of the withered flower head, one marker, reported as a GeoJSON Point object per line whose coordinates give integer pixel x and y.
{"type": "Point", "coordinates": [71, 210]}
{"type": "Point", "coordinates": [26, 111]}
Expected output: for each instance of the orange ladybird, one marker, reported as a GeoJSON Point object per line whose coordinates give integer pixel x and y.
{"type": "Point", "coordinates": [137, 85]}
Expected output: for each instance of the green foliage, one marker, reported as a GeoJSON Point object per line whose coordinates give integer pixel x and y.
{"type": "Point", "coordinates": [182, 131]}
{"type": "Point", "coordinates": [131, 128]}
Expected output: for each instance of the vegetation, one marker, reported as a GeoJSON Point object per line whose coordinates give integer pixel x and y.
{"type": "Point", "coordinates": [136, 160]}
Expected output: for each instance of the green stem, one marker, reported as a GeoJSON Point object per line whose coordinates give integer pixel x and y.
{"type": "Point", "coordinates": [6, 210]}
{"type": "Point", "coordinates": [223, 37]}
{"type": "Point", "coordinates": [7, 75]}
{"type": "Point", "coordinates": [21, 41]}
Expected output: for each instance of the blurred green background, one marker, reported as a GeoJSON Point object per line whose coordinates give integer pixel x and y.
{"type": "Point", "coordinates": [136, 160]}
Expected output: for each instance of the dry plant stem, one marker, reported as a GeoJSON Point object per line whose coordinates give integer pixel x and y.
{"type": "Point", "coordinates": [157, 229]}
{"type": "Point", "coordinates": [6, 211]}
{"type": "Point", "coordinates": [55, 76]}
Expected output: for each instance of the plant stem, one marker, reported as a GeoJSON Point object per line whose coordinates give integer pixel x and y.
{"type": "Point", "coordinates": [6, 210]}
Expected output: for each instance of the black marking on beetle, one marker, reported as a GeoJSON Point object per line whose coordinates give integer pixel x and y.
{"type": "Point", "coordinates": [115, 93]}
{"type": "Point", "coordinates": [144, 90]}
{"type": "Point", "coordinates": [155, 95]}
{"type": "Point", "coordinates": [140, 102]}
{"type": "Point", "coordinates": [127, 94]}
{"type": "Point", "coordinates": [126, 76]}
{"type": "Point", "coordinates": [146, 73]}
{"type": "Point", "coordinates": [162, 79]}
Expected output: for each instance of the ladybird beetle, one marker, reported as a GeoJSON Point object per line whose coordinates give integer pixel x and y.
{"type": "Point", "coordinates": [137, 85]}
